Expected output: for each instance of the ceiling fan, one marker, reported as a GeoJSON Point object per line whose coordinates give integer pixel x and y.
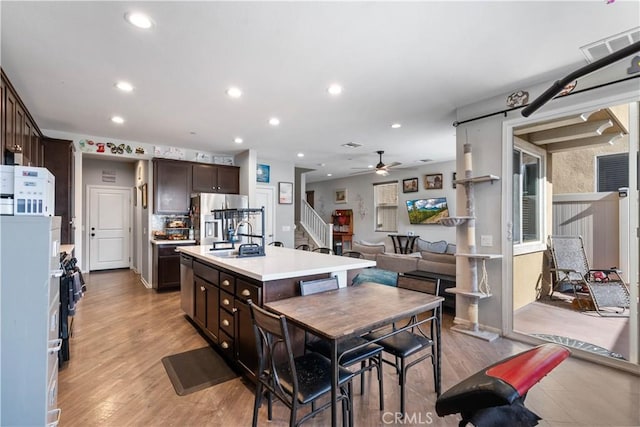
{"type": "Point", "coordinates": [381, 168]}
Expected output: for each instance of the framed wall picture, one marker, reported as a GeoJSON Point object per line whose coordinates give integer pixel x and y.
{"type": "Point", "coordinates": [410, 185]}
{"type": "Point", "coordinates": [285, 193]}
{"type": "Point", "coordinates": [262, 173]}
{"type": "Point", "coordinates": [144, 196]}
{"type": "Point", "coordinates": [341, 195]}
{"type": "Point", "coordinates": [433, 181]}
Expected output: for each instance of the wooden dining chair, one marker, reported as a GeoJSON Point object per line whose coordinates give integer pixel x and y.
{"type": "Point", "coordinates": [407, 343]}
{"type": "Point", "coordinates": [351, 351]}
{"type": "Point", "coordinates": [296, 381]}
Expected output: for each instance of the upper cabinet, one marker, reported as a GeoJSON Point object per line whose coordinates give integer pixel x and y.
{"type": "Point", "coordinates": [172, 186]}
{"type": "Point", "coordinates": [21, 138]}
{"type": "Point", "coordinates": [175, 180]}
{"type": "Point", "coordinates": [215, 179]}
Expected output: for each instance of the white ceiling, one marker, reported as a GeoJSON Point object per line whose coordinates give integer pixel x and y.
{"type": "Point", "coordinates": [407, 62]}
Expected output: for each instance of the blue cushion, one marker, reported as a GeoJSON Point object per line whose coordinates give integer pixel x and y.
{"type": "Point", "coordinates": [377, 275]}
{"type": "Point", "coordinates": [438, 247]}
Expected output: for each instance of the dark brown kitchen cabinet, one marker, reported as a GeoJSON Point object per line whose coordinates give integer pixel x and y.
{"type": "Point", "coordinates": [59, 160]}
{"type": "Point", "coordinates": [200, 312]}
{"type": "Point", "coordinates": [172, 186]}
{"type": "Point", "coordinates": [3, 116]}
{"type": "Point", "coordinates": [245, 341]}
{"type": "Point", "coordinates": [166, 263]}
{"type": "Point", "coordinates": [20, 134]}
{"type": "Point", "coordinates": [215, 179]}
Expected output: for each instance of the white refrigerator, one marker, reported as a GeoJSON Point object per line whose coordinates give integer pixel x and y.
{"type": "Point", "coordinates": [29, 318]}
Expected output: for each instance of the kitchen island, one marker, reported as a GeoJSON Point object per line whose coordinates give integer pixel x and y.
{"type": "Point", "coordinates": [216, 285]}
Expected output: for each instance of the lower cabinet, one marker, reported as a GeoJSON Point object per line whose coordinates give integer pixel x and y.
{"type": "Point", "coordinates": [246, 352]}
{"type": "Point", "coordinates": [166, 267]}
{"type": "Point", "coordinates": [221, 311]}
{"type": "Point", "coordinates": [200, 311]}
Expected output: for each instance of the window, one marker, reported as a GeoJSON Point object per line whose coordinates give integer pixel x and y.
{"type": "Point", "coordinates": [527, 196]}
{"type": "Point", "coordinates": [385, 200]}
{"type": "Point", "coordinates": [613, 171]}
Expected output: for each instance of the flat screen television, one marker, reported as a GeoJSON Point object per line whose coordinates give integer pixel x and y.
{"type": "Point", "coordinates": [427, 211]}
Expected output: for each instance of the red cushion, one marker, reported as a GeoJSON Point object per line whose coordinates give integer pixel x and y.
{"type": "Point", "coordinates": [524, 370]}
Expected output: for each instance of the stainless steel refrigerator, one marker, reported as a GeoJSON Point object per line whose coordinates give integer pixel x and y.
{"type": "Point", "coordinates": [206, 228]}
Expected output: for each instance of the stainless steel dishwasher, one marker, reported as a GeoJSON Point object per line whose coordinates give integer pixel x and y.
{"type": "Point", "coordinates": [187, 287]}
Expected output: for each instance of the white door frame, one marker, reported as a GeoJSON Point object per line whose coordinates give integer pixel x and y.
{"type": "Point", "coordinates": [634, 220]}
{"type": "Point", "coordinates": [87, 212]}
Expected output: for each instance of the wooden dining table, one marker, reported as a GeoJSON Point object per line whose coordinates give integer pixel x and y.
{"type": "Point", "coordinates": [353, 311]}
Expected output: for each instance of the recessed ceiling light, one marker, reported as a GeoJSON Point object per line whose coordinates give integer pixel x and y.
{"type": "Point", "coordinates": [139, 20]}
{"type": "Point", "coordinates": [234, 92]}
{"type": "Point", "coordinates": [329, 174]}
{"type": "Point", "coordinates": [238, 140]}
{"type": "Point", "coordinates": [370, 166]}
{"type": "Point", "coordinates": [117, 119]}
{"type": "Point", "coordinates": [124, 86]}
{"type": "Point", "coordinates": [396, 125]}
{"type": "Point", "coordinates": [274, 121]}
{"type": "Point", "coordinates": [335, 89]}
{"type": "Point", "coordinates": [300, 154]}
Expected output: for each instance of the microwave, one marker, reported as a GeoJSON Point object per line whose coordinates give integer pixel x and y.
{"type": "Point", "coordinates": [27, 190]}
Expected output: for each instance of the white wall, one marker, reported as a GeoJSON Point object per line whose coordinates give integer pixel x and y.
{"type": "Point", "coordinates": [284, 213]}
{"type": "Point", "coordinates": [360, 200]}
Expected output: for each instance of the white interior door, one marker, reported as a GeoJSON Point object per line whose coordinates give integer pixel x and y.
{"type": "Point", "coordinates": [266, 196]}
{"type": "Point", "coordinates": [108, 231]}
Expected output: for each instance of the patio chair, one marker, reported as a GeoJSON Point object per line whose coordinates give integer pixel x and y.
{"type": "Point", "coordinates": [605, 286]}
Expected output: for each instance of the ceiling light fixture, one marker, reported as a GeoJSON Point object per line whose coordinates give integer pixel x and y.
{"type": "Point", "coordinates": [396, 126]}
{"type": "Point", "coordinates": [300, 154]}
{"type": "Point", "coordinates": [329, 174]}
{"type": "Point", "coordinates": [274, 121]}
{"type": "Point", "coordinates": [139, 20]}
{"type": "Point", "coordinates": [334, 89]}
{"type": "Point", "coordinates": [234, 92]}
{"type": "Point", "coordinates": [238, 140]}
{"type": "Point", "coordinates": [117, 119]}
{"type": "Point", "coordinates": [124, 86]}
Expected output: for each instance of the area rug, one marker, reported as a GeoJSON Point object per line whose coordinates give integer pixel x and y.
{"type": "Point", "coordinates": [577, 344]}
{"type": "Point", "coordinates": [195, 370]}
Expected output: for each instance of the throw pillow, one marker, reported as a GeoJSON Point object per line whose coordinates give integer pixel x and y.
{"type": "Point", "coordinates": [438, 247]}
{"type": "Point", "coordinates": [451, 248]}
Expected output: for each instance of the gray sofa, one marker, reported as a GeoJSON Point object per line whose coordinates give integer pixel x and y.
{"type": "Point", "coordinates": [431, 258]}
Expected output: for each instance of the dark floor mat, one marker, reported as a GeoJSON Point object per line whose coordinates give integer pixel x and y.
{"type": "Point", "coordinates": [195, 370]}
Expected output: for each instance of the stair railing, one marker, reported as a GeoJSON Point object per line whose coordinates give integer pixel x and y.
{"type": "Point", "coordinates": [317, 229]}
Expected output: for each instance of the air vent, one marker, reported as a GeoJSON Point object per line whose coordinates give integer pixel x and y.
{"type": "Point", "coordinates": [352, 145]}
{"type": "Point", "coordinates": [604, 47]}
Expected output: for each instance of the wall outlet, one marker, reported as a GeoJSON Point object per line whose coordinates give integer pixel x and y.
{"type": "Point", "coordinates": [486, 240]}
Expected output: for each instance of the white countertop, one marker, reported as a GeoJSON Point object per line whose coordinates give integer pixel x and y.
{"type": "Point", "coordinates": [279, 262]}
{"type": "Point", "coordinates": [171, 242]}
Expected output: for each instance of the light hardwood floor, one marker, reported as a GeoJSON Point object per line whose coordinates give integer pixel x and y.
{"type": "Point", "coordinates": [122, 330]}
